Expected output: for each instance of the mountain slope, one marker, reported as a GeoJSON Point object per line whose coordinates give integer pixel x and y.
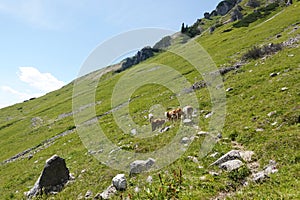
{"type": "Point", "coordinates": [254, 95]}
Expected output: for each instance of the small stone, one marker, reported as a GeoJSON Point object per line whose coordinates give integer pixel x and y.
{"type": "Point", "coordinates": [193, 158]}
{"type": "Point", "coordinates": [208, 115]}
{"type": "Point", "coordinates": [270, 114]}
{"type": "Point", "coordinates": [259, 130]}
{"type": "Point", "coordinates": [107, 194]}
{"type": "Point", "coordinates": [229, 89]}
{"type": "Point", "coordinates": [284, 89]}
{"type": "Point", "coordinates": [185, 140]}
{"type": "Point", "coordinates": [136, 189]}
{"type": "Point", "coordinates": [246, 155]}
{"type": "Point", "coordinates": [187, 121]}
{"type": "Point", "coordinates": [133, 132]}
{"type": "Point", "coordinates": [88, 194]}
{"type": "Point", "coordinates": [202, 133]}
{"type": "Point", "coordinates": [213, 155]}
{"type": "Point", "coordinates": [213, 173]}
{"type": "Point", "coordinates": [273, 74]}
{"type": "Point", "coordinates": [149, 179]}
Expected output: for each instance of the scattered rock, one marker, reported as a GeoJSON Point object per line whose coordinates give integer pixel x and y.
{"type": "Point", "coordinates": [231, 165]}
{"type": "Point", "coordinates": [270, 114]}
{"type": "Point", "coordinates": [259, 130]}
{"type": "Point", "coordinates": [213, 173]}
{"type": "Point", "coordinates": [246, 155]}
{"type": "Point", "coordinates": [149, 179]}
{"type": "Point", "coordinates": [284, 89]}
{"type": "Point", "coordinates": [231, 155]}
{"type": "Point", "coordinates": [229, 89]}
{"type": "Point", "coordinates": [53, 177]}
{"type": "Point", "coordinates": [88, 194]}
{"type": "Point", "coordinates": [119, 182]}
{"type": "Point", "coordinates": [193, 158]}
{"type": "Point", "coordinates": [136, 189]}
{"type": "Point", "coordinates": [208, 115]}
{"type": "Point", "coordinates": [213, 155]}
{"type": "Point", "coordinates": [107, 194]}
{"type": "Point", "coordinates": [264, 174]}
{"type": "Point", "coordinates": [133, 132]}
{"type": "Point", "coordinates": [202, 133]}
{"type": "Point", "coordinates": [140, 166]}
{"type": "Point", "coordinates": [273, 74]}
{"type": "Point", "coordinates": [187, 121]}
{"type": "Point", "coordinates": [165, 129]}
{"type": "Point", "coordinates": [36, 121]}
{"type": "Point", "coordinates": [185, 140]}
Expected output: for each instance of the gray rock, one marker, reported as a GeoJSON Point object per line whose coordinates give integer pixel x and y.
{"type": "Point", "coordinates": [202, 133]}
{"type": "Point", "coordinates": [53, 177]}
{"type": "Point", "coordinates": [246, 155]}
{"type": "Point", "coordinates": [264, 174]}
{"type": "Point", "coordinates": [259, 176]}
{"type": "Point", "coordinates": [120, 182]}
{"type": "Point", "coordinates": [185, 140]}
{"type": "Point", "coordinates": [229, 89]}
{"type": "Point", "coordinates": [193, 158]}
{"type": "Point", "coordinates": [107, 194]}
{"type": "Point", "coordinates": [273, 74]}
{"type": "Point", "coordinates": [231, 165]}
{"type": "Point", "coordinates": [231, 155]}
{"type": "Point", "coordinates": [165, 129]}
{"type": "Point", "coordinates": [88, 194]}
{"type": "Point", "coordinates": [187, 121]}
{"type": "Point", "coordinates": [270, 114]}
{"type": "Point", "coordinates": [149, 179]}
{"type": "Point", "coordinates": [133, 132]}
{"type": "Point", "coordinates": [140, 166]}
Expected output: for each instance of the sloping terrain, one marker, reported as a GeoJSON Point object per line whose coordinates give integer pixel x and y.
{"type": "Point", "coordinates": [262, 115]}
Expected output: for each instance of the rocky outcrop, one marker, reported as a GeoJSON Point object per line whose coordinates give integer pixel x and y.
{"type": "Point", "coordinates": [225, 6]}
{"type": "Point", "coordinates": [53, 177]}
{"type": "Point", "coordinates": [140, 56]}
{"type": "Point", "coordinates": [236, 14]}
{"type": "Point", "coordinates": [231, 155]}
{"type": "Point", "coordinates": [253, 3]}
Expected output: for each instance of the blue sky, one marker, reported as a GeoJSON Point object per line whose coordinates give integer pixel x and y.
{"type": "Point", "coordinates": [43, 43]}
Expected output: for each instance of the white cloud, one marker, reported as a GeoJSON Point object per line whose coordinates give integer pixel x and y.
{"type": "Point", "coordinates": [37, 84]}
{"type": "Point", "coordinates": [44, 82]}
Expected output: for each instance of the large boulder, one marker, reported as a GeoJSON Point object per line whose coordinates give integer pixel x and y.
{"type": "Point", "coordinates": [140, 166]}
{"type": "Point", "coordinates": [53, 177]}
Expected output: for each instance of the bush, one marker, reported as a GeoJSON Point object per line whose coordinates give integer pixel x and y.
{"type": "Point", "coordinates": [259, 13]}
{"type": "Point", "coordinates": [256, 52]}
{"type": "Point", "coordinates": [240, 174]}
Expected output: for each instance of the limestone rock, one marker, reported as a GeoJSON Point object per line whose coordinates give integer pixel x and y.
{"type": "Point", "coordinates": [119, 182]}
{"type": "Point", "coordinates": [231, 165]}
{"type": "Point", "coordinates": [231, 155]}
{"type": "Point", "coordinates": [140, 166]}
{"type": "Point", "coordinates": [107, 194]}
{"type": "Point", "coordinates": [53, 177]}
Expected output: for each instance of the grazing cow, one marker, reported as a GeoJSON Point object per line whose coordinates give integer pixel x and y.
{"type": "Point", "coordinates": [174, 114]}
{"type": "Point", "coordinates": [187, 112]}
{"type": "Point", "coordinates": [156, 123]}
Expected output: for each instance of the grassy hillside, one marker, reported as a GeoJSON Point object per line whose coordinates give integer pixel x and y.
{"type": "Point", "coordinates": [253, 96]}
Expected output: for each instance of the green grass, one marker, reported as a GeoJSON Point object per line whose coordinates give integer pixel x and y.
{"type": "Point", "coordinates": [254, 95]}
